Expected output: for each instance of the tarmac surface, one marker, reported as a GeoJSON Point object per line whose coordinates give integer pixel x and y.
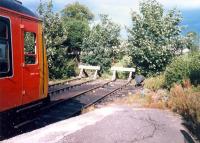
{"type": "Point", "coordinates": [113, 124]}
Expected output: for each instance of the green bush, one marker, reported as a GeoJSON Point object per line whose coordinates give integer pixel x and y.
{"type": "Point", "coordinates": [63, 69]}
{"type": "Point", "coordinates": [194, 68]}
{"type": "Point", "coordinates": [183, 68]}
{"type": "Point", "coordinates": [177, 71]}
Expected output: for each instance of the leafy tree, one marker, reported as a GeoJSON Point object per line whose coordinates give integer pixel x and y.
{"type": "Point", "coordinates": [76, 19]}
{"type": "Point", "coordinates": [98, 48]}
{"type": "Point", "coordinates": [77, 11]}
{"type": "Point", "coordinates": [193, 41]}
{"type": "Point", "coordinates": [154, 37]}
{"type": "Point", "coordinates": [121, 53]}
{"type": "Point", "coordinates": [54, 34]}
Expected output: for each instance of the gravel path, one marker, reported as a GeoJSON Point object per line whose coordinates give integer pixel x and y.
{"type": "Point", "coordinates": [114, 124]}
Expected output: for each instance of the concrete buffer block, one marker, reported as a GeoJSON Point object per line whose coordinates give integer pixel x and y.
{"type": "Point", "coordinates": [83, 69]}
{"type": "Point", "coordinates": [122, 69]}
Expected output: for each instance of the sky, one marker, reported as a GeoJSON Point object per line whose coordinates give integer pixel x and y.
{"type": "Point", "coordinates": [120, 11]}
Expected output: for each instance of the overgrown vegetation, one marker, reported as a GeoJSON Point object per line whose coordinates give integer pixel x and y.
{"type": "Point", "coordinates": [183, 68]}
{"type": "Point", "coordinates": [194, 69]}
{"type": "Point", "coordinates": [186, 101]}
{"type": "Point", "coordinates": [70, 35]}
{"type": "Point", "coordinates": [177, 71]}
{"type": "Point", "coordinates": [99, 47]}
{"type": "Point", "coordinates": [155, 83]}
{"type": "Point", "coordinates": [155, 37]}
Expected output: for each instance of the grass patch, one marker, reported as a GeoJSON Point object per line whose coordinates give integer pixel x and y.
{"type": "Point", "coordinates": [155, 83]}
{"type": "Point", "coordinates": [89, 109]}
{"type": "Point", "coordinates": [186, 101]}
{"type": "Point", "coordinates": [141, 100]}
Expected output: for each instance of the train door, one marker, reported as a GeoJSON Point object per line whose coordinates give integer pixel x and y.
{"type": "Point", "coordinates": [30, 65]}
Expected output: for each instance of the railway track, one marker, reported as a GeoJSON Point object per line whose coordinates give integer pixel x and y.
{"type": "Point", "coordinates": [51, 85]}
{"type": "Point", "coordinates": [61, 109]}
{"type": "Point", "coordinates": [61, 87]}
{"type": "Point", "coordinates": [128, 90]}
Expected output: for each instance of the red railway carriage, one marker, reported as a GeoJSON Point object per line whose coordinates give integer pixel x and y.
{"type": "Point", "coordinates": [23, 65]}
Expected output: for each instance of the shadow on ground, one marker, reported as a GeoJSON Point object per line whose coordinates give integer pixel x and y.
{"type": "Point", "coordinates": [187, 137]}
{"type": "Point", "coordinates": [45, 117]}
{"type": "Point", "coordinates": [194, 128]}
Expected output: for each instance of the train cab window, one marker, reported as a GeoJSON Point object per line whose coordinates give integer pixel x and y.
{"type": "Point", "coordinates": [30, 47]}
{"type": "Point", "coordinates": [5, 48]}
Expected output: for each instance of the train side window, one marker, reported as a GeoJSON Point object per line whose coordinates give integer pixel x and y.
{"type": "Point", "coordinates": [30, 47]}
{"type": "Point", "coordinates": [5, 48]}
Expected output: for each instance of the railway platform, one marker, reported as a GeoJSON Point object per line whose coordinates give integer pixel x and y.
{"type": "Point", "coordinates": [112, 124]}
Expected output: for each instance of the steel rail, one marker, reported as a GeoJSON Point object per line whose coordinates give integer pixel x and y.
{"type": "Point", "coordinates": [63, 82]}
{"type": "Point", "coordinates": [76, 95]}
{"type": "Point", "coordinates": [67, 87]}
{"type": "Point", "coordinates": [101, 98]}
{"type": "Point", "coordinates": [108, 94]}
